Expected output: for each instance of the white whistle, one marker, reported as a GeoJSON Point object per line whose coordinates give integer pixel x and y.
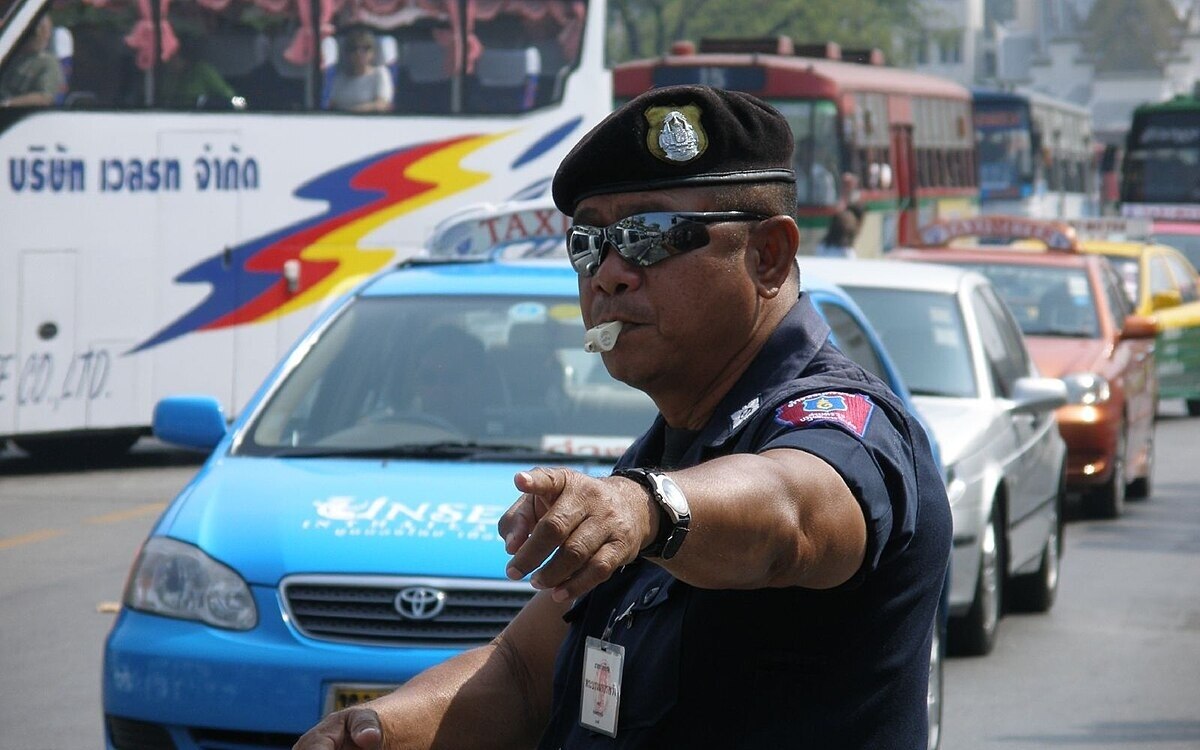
{"type": "Point", "coordinates": [603, 337]}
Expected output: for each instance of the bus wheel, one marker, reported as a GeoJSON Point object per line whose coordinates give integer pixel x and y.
{"type": "Point", "coordinates": [1193, 407]}
{"type": "Point", "coordinates": [80, 447]}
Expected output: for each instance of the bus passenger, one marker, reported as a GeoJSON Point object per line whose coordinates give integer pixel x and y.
{"type": "Point", "coordinates": [188, 82]}
{"type": "Point", "coordinates": [34, 77]}
{"type": "Point", "coordinates": [838, 241]}
{"type": "Point", "coordinates": [360, 84]}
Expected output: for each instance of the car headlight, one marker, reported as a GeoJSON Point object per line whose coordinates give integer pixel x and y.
{"type": "Point", "coordinates": [174, 579]}
{"type": "Point", "coordinates": [1087, 388]}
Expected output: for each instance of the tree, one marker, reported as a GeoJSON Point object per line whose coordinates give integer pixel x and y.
{"type": "Point", "coordinates": [644, 28]}
{"type": "Point", "coordinates": [1131, 35]}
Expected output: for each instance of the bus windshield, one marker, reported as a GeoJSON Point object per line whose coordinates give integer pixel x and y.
{"type": "Point", "coordinates": [1002, 131]}
{"type": "Point", "coordinates": [1162, 158]}
{"type": "Point", "coordinates": [815, 128]}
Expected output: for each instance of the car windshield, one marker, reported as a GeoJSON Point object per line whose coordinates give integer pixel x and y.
{"type": "Point", "coordinates": [454, 377]}
{"type": "Point", "coordinates": [1129, 269]}
{"type": "Point", "coordinates": [1045, 300]}
{"type": "Point", "coordinates": [1188, 244]}
{"type": "Point", "coordinates": [923, 332]}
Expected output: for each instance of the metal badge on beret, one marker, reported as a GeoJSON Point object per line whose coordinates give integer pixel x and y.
{"type": "Point", "coordinates": [675, 133]}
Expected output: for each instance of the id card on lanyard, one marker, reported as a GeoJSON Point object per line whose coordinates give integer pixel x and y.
{"type": "Point", "coordinates": [600, 702]}
{"type": "Point", "coordinates": [603, 667]}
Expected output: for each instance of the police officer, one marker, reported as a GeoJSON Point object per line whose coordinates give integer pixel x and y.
{"type": "Point", "coordinates": [763, 567]}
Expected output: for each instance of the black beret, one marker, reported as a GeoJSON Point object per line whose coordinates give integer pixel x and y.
{"type": "Point", "coordinates": [677, 136]}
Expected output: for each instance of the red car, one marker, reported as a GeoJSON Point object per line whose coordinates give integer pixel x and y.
{"type": "Point", "coordinates": [1079, 326]}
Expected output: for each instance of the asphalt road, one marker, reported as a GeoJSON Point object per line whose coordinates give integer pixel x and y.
{"type": "Point", "coordinates": [1115, 665]}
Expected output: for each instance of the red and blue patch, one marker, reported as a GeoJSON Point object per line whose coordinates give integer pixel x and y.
{"type": "Point", "coordinates": [851, 411]}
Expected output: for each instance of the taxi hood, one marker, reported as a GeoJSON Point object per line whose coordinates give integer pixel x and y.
{"type": "Point", "coordinates": [1057, 356]}
{"type": "Point", "coordinates": [271, 517]}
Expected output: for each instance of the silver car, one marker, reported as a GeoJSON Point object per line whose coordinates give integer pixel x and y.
{"type": "Point", "coordinates": [965, 361]}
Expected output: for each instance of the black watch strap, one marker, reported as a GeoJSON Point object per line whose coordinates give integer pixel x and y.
{"type": "Point", "coordinates": [671, 529]}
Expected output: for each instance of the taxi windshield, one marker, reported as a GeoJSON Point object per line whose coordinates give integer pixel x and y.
{"type": "Point", "coordinates": [1045, 301]}
{"type": "Point", "coordinates": [462, 377]}
{"type": "Point", "coordinates": [924, 334]}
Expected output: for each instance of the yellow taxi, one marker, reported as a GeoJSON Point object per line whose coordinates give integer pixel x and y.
{"type": "Point", "coordinates": [1161, 282]}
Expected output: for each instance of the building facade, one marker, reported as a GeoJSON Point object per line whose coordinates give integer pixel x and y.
{"type": "Point", "coordinates": [1043, 45]}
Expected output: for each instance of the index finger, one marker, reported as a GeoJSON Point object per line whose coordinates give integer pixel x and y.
{"type": "Point", "coordinates": [554, 522]}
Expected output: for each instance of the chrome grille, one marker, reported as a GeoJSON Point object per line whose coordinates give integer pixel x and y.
{"type": "Point", "coordinates": [363, 610]}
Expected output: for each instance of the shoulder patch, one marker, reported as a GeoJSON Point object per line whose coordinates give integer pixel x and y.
{"type": "Point", "coordinates": [851, 411]}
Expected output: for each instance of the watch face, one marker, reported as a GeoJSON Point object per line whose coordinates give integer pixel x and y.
{"type": "Point", "coordinates": [672, 495]}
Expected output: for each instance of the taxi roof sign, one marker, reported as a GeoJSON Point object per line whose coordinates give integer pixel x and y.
{"type": "Point", "coordinates": [1055, 235]}
{"type": "Point", "coordinates": [1115, 228]}
{"type": "Point", "coordinates": [516, 229]}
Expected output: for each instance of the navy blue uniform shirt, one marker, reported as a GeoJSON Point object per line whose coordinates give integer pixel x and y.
{"type": "Point", "coordinates": [785, 667]}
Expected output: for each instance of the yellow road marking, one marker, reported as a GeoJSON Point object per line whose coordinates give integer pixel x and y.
{"type": "Point", "coordinates": [125, 515]}
{"type": "Point", "coordinates": [34, 536]}
{"type": "Point", "coordinates": [42, 535]}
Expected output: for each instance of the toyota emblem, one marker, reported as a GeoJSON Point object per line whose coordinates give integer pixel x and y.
{"type": "Point", "coordinates": [420, 603]}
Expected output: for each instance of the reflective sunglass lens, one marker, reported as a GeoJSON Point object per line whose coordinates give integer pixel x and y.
{"type": "Point", "coordinates": [686, 236]}
{"type": "Point", "coordinates": [583, 248]}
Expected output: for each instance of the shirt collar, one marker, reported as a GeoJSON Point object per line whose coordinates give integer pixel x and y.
{"type": "Point", "coordinates": [789, 350]}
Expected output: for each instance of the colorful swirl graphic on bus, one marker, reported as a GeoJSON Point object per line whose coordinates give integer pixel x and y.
{"type": "Point", "coordinates": [247, 281]}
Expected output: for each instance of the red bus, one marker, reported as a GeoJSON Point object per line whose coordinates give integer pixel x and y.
{"type": "Point", "coordinates": [899, 144]}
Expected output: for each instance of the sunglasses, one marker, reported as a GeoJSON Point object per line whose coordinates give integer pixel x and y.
{"type": "Point", "coordinates": [646, 239]}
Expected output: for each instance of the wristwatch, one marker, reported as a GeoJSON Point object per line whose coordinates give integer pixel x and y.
{"type": "Point", "coordinates": [672, 503]}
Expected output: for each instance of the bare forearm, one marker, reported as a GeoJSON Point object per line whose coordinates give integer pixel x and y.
{"type": "Point", "coordinates": [783, 518]}
{"type": "Point", "coordinates": [31, 99]}
{"type": "Point", "coordinates": [496, 696]}
{"type": "Point", "coordinates": [473, 700]}
{"type": "Point", "coordinates": [775, 519]}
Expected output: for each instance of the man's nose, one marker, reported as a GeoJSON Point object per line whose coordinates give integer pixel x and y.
{"type": "Point", "coordinates": [615, 275]}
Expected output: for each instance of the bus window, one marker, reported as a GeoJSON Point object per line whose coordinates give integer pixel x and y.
{"type": "Point", "coordinates": [869, 146]}
{"type": "Point", "coordinates": [95, 68]}
{"type": "Point", "coordinates": [217, 59]}
{"type": "Point", "coordinates": [438, 56]}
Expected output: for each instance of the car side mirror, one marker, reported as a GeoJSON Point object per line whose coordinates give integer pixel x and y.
{"type": "Point", "coordinates": [1139, 327]}
{"type": "Point", "coordinates": [1163, 300]}
{"type": "Point", "coordinates": [1034, 395]}
{"type": "Point", "coordinates": [196, 422]}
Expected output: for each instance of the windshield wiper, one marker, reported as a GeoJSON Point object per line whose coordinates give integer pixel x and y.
{"type": "Point", "coordinates": [450, 449]}
{"type": "Point", "coordinates": [1067, 333]}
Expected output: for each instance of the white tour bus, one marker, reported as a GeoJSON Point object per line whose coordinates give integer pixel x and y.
{"type": "Point", "coordinates": [171, 227]}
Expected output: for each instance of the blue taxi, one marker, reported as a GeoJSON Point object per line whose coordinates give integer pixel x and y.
{"type": "Point", "coordinates": [341, 536]}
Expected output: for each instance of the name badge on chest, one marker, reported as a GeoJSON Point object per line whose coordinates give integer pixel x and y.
{"type": "Point", "coordinates": [601, 699]}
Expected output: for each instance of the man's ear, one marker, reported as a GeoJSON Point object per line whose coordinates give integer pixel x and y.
{"type": "Point", "coordinates": [771, 253]}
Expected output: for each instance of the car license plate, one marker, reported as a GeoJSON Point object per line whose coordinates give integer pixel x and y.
{"type": "Point", "coordinates": [344, 696]}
